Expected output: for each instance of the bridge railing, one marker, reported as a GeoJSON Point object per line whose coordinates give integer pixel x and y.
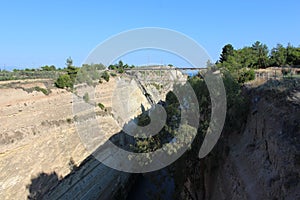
{"type": "Point", "coordinates": [161, 74]}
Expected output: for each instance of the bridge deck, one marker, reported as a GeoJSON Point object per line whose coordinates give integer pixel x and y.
{"type": "Point", "coordinates": [163, 68]}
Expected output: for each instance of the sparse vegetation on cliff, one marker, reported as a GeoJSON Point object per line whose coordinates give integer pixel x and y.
{"type": "Point", "coordinates": [101, 106]}
{"type": "Point", "coordinates": [105, 76]}
{"type": "Point", "coordinates": [86, 97]}
{"type": "Point", "coordinates": [43, 90]}
{"type": "Point", "coordinates": [36, 88]}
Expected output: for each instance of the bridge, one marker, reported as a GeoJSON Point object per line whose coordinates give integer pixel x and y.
{"type": "Point", "coordinates": [145, 74]}
{"type": "Point", "coordinates": [159, 74]}
{"type": "Point", "coordinates": [164, 68]}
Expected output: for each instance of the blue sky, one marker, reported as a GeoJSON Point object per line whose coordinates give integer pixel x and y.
{"type": "Point", "coordinates": [35, 33]}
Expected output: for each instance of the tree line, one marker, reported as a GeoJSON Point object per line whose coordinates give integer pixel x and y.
{"type": "Point", "coordinates": [259, 56]}
{"type": "Point", "coordinates": [88, 73]}
{"type": "Point", "coordinates": [242, 62]}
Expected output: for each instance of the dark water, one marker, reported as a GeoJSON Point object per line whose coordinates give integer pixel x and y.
{"type": "Point", "coordinates": [154, 185]}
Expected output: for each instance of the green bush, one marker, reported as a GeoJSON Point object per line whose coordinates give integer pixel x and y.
{"type": "Point", "coordinates": [43, 90]}
{"type": "Point", "coordinates": [86, 97]}
{"type": "Point", "coordinates": [237, 104]}
{"type": "Point", "coordinates": [105, 76]}
{"type": "Point", "coordinates": [157, 86]}
{"type": "Point", "coordinates": [246, 75]}
{"type": "Point", "coordinates": [64, 81]}
{"type": "Point", "coordinates": [113, 74]}
{"type": "Point", "coordinates": [101, 106]}
{"type": "Point", "coordinates": [121, 70]}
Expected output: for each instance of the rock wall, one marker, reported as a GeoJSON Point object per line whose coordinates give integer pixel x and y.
{"type": "Point", "coordinates": [261, 161]}
{"type": "Point", "coordinates": [41, 153]}
{"type": "Point", "coordinates": [39, 144]}
{"type": "Point", "coordinates": [36, 136]}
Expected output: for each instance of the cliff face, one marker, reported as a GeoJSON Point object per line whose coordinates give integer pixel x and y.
{"type": "Point", "coordinates": [260, 162]}
{"type": "Point", "coordinates": [38, 134]}
{"type": "Point", "coordinates": [35, 136]}
{"type": "Point", "coordinates": [41, 152]}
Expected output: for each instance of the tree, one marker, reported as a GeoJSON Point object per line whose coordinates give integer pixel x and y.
{"type": "Point", "coordinates": [67, 80]}
{"type": "Point", "coordinates": [120, 64]}
{"type": "Point", "coordinates": [71, 70]}
{"type": "Point", "coordinates": [48, 68]}
{"type": "Point", "coordinates": [246, 75]}
{"type": "Point", "coordinates": [261, 51]}
{"type": "Point", "coordinates": [112, 67]}
{"type": "Point", "coordinates": [292, 55]}
{"type": "Point", "coordinates": [69, 62]}
{"type": "Point", "coordinates": [99, 66]}
{"type": "Point", "coordinates": [126, 66]}
{"type": "Point", "coordinates": [278, 56]}
{"type": "Point", "coordinates": [239, 62]}
{"type": "Point", "coordinates": [247, 58]}
{"type": "Point", "coordinates": [226, 52]}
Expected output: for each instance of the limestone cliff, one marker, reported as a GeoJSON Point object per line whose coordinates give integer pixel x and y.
{"type": "Point", "coordinates": [38, 133]}
{"type": "Point", "coordinates": [41, 153]}
{"type": "Point", "coordinates": [262, 160]}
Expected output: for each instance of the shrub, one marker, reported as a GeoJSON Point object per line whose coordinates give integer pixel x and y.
{"type": "Point", "coordinates": [105, 76]}
{"type": "Point", "coordinates": [101, 106]}
{"type": "Point", "coordinates": [157, 86]}
{"type": "Point", "coordinates": [64, 81]}
{"type": "Point", "coordinates": [237, 104]}
{"type": "Point", "coordinates": [246, 75]}
{"type": "Point", "coordinates": [86, 97]}
{"type": "Point", "coordinates": [121, 70]}
{"type": "Point", "coordinates": [43, 90]}
{"type": "Point", "coordinates": [113, 74]}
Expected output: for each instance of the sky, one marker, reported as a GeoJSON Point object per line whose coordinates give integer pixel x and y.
{"type": "Point", "coordinates": [36, 33]}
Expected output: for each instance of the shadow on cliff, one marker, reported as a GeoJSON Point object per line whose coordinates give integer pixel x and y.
{"type": "Point", "coordinates": [41, 184]}
{"type": "Point", "coordinates": [53, 186]}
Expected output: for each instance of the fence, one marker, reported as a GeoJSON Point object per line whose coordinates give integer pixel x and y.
{"type": "Point", "coordinates": [277, 73]}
